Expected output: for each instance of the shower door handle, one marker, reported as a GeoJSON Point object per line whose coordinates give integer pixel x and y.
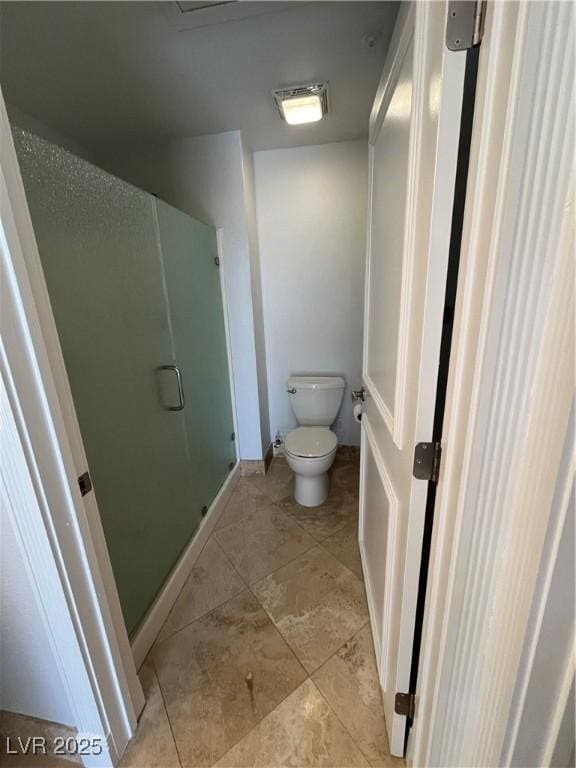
{"type": "Point", "coordinates": [176, 370]}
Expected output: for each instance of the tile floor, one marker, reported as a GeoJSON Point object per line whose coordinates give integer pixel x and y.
{"type": "Point", "coordinates": [266, 658]}
{"type": "Point", "coordinates": [16, 734]}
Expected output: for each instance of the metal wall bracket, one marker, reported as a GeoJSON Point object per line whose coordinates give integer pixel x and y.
{"type": "Point", "coordinates": [405, 704]}
{"type": "Point", "coordinates": [85, 483]}
{"type": "Point", "coordinates": [427, 461]}
{"type": "Point", "coordinates": [465, 24]}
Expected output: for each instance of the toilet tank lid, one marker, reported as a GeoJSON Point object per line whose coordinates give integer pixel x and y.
{"type": "Point", "coordinates": [316, 382]}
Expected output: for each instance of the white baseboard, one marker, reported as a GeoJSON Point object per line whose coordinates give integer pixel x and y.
{"type": "Point", "coordinates": [158, 613]}
{"type": "Point", "coordinates": [108, 757]}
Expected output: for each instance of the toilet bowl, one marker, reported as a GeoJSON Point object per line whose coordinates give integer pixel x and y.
{"type": "Point", "coordinates": [310, 449]}
{"type": "Point", "coordinates": [310, 452]}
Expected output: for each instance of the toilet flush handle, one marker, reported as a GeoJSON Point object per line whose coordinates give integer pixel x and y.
{"type": "Point", "coordinates": [291, 391]}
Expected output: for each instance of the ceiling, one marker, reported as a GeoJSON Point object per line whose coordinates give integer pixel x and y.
{"type": "Point", "coordinates": [105, 73]}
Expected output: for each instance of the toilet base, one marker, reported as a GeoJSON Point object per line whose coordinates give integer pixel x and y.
{"type": "Point", "coordinates": [311, 491]}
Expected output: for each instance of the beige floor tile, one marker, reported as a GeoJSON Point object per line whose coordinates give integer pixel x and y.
{"type": "Point", "coordinates": [349, 681]}
{"type": "Point", "coordinates": [344, 546]}
{"type": "Point", "coordinates": [277, 483]}
{"type": "Point", "coordinates": [16, 733]}
{"type": "Point", "coordinates": [316, 603]}
{"type": "Point", "coordinates": [153, 744]}
{"type": "Point", "coordinates": [263, 541]}
{"type": "Point", "coordinates": [340, 508]}
{"type": "Point", "coordinates": [302, 731]}
{"type": "Point", "coordinates": [38, 761]}
{"type": "Point", "coordinates": [345, 460]}
{"type": "Point", "coordinates": [346, 477]}
{"type": "Point", "coordinates": [245, 498]}
{"type": "Point", "coordinates": [279, 462]}
{"type": "Point", "coordinates": [202, 672]}
{"type": "Point", "coordinates": [213, 580]}
{"type": "Point", "coordinates": [389, 762]}
{"type": "Point", "coordinates": [339, 462]}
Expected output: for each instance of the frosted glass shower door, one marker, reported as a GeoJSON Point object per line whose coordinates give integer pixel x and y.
{"type": "Point", "coordinates": [98, 244]}
{"type": "Point", "coordinates": [192, 276]}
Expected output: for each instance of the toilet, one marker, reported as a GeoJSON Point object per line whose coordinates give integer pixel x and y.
{"type": "Point", "coordinates": [310, 449]}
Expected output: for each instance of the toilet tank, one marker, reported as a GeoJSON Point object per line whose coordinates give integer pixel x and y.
{"type": "Point", "coordinates": [315, 400]}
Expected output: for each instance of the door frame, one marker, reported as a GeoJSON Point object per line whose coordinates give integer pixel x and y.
{"type": "Point", "coordinates": [474, 630]}
{"type": "Point", "coordinates": [70, 526]}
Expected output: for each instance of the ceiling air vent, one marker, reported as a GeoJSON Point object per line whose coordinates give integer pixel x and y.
{"type": "Point", "coordinates": [183, 15]}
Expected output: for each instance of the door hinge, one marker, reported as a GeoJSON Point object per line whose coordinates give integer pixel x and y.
{"type": "Point", "coordinates": [427, 461]}
{"type": "Point", "coordinates": [405, 704]}
{"type": "Point", "coordinates": [465, 24]}
{"type": "Point", "coordinates": [85, 483]}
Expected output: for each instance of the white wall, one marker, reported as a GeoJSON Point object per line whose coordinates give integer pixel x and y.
{"type": "Point", "coordinates": [311, 211]}
{"type": "Point", "coordinates": [256, 284]}
{"type": "Point", "coordinates": [204, 176]}
{"type": "Point", "coordinates": [30, 682]}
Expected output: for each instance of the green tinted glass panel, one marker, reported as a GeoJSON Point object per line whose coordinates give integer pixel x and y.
{"type": "Point", "coordinates": [194, 295]}
{"type": "Point", "coordinates": [98, 243]}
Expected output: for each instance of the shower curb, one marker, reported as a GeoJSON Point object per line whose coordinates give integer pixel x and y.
{"type": "Point", "coordinates": [152, 623]}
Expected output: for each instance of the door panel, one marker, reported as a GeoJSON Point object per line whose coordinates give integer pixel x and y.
{"type": "Point", "coordinates": [379, 529]}
{"type": "Point", "coordinates": [414, 136]}
{"type": "Point", "coordinates": [194, 296]}
{"type": "Point", "coordinates": [389, 163]}
{"type": "Point", "coordinates": [98, 244]}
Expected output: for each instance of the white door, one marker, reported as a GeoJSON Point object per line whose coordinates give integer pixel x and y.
{"type": "Point", "coordinates": [414, 134]}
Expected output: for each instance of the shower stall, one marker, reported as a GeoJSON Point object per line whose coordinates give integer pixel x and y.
{"type": "Point", "coordinates": [135, 290]}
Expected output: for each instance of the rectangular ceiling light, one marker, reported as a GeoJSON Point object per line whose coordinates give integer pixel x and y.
{"type": "Point", "coordinates": [302, 103]}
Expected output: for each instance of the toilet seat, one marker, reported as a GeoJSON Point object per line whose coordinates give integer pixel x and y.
{"type": "Point", "coordinates": [310, 442]}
